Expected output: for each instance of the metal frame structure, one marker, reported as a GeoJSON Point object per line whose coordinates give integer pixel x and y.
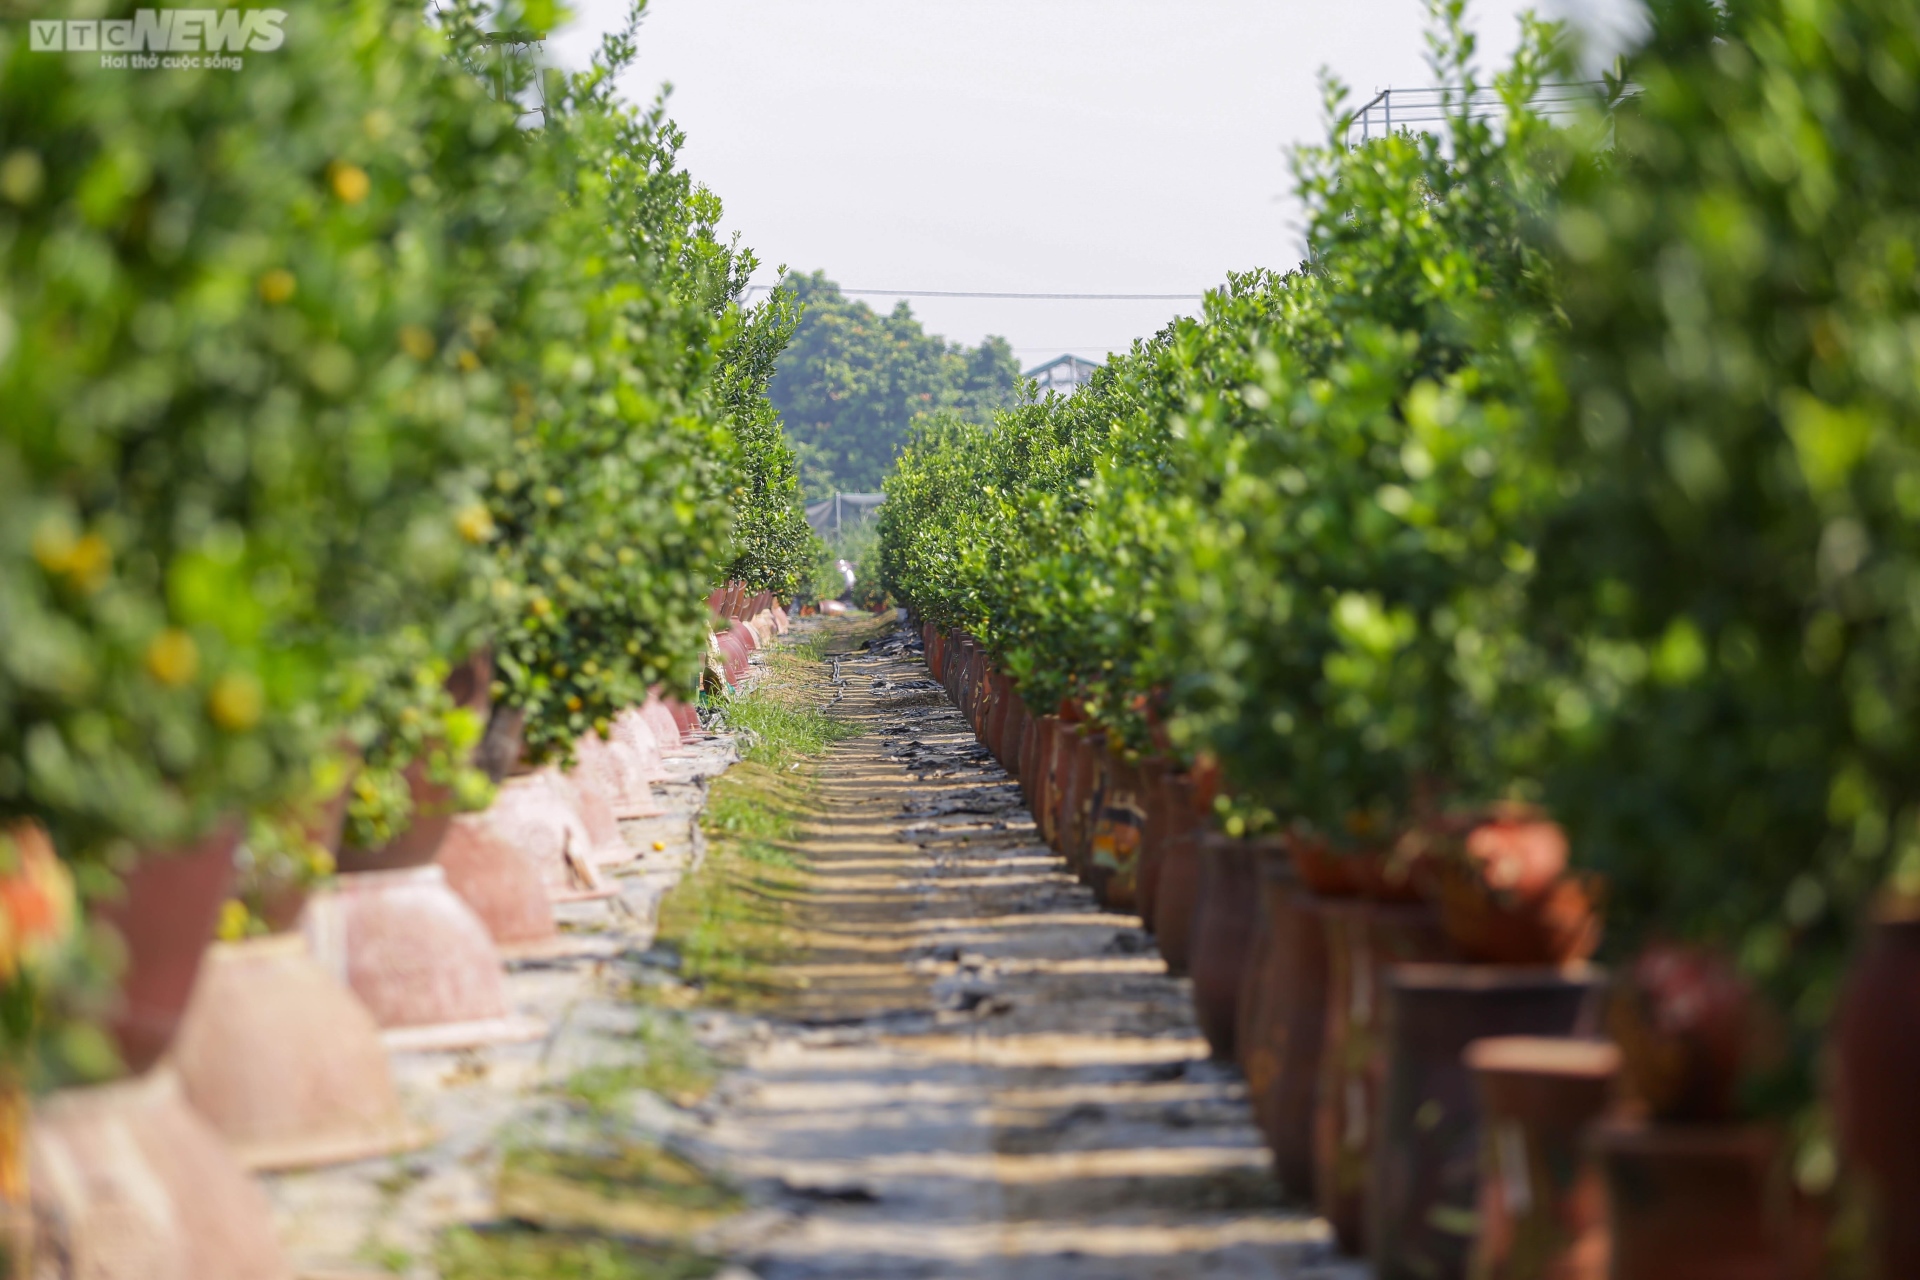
{"type": "Point", "coordinates": [1416, 108]}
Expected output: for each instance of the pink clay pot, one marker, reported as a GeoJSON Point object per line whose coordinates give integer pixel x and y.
{"type": "Point", "coordinates": [433, 810]}
{"type": "Point", "coordinates": [533, 815]}
{"type": "Point", "coordinates": [285, 1063]}
{"type": "Point", "coordinates": [128, 1183]}
{"type": "Point", "coordinates": [166, 916]}
{"type": "Point", "coordinates": [781, 623]}
{"type": "Point", "coordinates": [640, 736]}
{"type": "Point", "coordinates": [687, 716]}
{"type": "Point", "coordinates": [503, 887]}
{"type": "Point", "coordinates": [596, 811]}
{"type": "Point", "coordinates": [418, 957]}
{"type": "Point", "coordinates": [612, 768]}
{"type": "Point", "coordinates": [670, 727]}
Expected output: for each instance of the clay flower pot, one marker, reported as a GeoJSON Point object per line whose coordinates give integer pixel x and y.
{"type": "Point", "coordinates": [1178, 889]}
{"type": "Point", "coordinates": [1542, 1205]}
{"type": "Point", "coordinates": [1154, 772]}
{"type": "Point", "coordinates": [433, 810]}
{"type": "Point", "coordinates": [503, 887]}
{"type": "Point", "coordinates": [471, 683]}
{"type": "Point", "coordinates": [1508, 897]}
{"type": "Point", "coordinates": [1695, 1201]}
{"type": "Point", "coordinates": [166, 916]}
{"type": "Point", "coordinates": [1687, 1026]}
{"type": "Point", "coordinates": [1223, 927]}
{"type": "Point", "coordinates": [129, 1183]}
{"type": "Point", "coordinates": [640, 737]}
{"type": "Point", "coordinates": [1363, 940]}
{"type": "Point", "coordinates": [1030, 734]}
{"type": "Point", "coordinates": [605, 845]}
{"type": "Point", "coordinates": [285, 1063]}
{"type": "Point", "coordinates": [674, 723]}
{"type": "Point", "coordinates": [1877, 1088]}
{"type": "Point", "coordinates": [612, 770]}
{"type": "Point", "coordinates": [1113, 861]}
{"type": "Point", "coordinates": [1283, 1017]}
{"type": "Point", "coordinates": [1042, 789]}
{"type": "Point", "coordinates": [417, 957]}
{"type": "Point", "coordinates": [1424, 1175]}
{"type": "Point", "coordinates": [535, 815]}
{"type": "Point", "coordinates": [1320, 870]}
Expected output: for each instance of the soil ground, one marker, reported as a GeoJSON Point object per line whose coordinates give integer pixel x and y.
{"type": "Point", "coordinates": [984, 1075]}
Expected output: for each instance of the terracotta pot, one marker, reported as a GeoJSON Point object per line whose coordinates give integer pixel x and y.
{"type": "Point", "coordinates": [1223, 921]}
{"type": "Point", "coordinates": [1542, 1203]}
{"type": "Point", "coordinates": [130, 1184]}
{"type": "Point", "coordinates": [1085, 791]}
{"type": "Point", "coordinates": [285, 1063]}
{"type": "Point", "coordinates": [781, 622]}
{"type": "Point", "coordinates": [166, 916]}
{"type": "Point", "coordinates": [1363, 939]}
{"type": "Point", "coordinates": [1154, 772]}
{"type": "Point", "coordinates": [1011, 729]}
{"type": "Point", "coordinates": [1041, 788]}
{"type": "Point", "coordinates": [503, 887]}
{"type": "Point", "coordinates": [417, 957]}
{"type": "Point", "coordinates": [1113, 850]}
{"type": "Point", "coordinates": [606, 845]}
{"type": "Point", "coordinates": [1877, 1088]}
{"type": "Point", "coordinates": [1178, 891]}
{"type": "Point", "coordinates": [743, 631]}
{"type": "Point", "coordinates": [1283, 1023]}
{"type": "Point", "coordinates": [1695, 1202]}
{"type": "Point", "coordinates": [673, 722]}
{"type": "Point", "coordinates": [1510, 899]}
{"type": "Point", "coordinates": [617, 774]}
{"type": "Point", "coordinates": [1029, 755]}
{"type": "Point", "coordinates": [639, 735]}
{"type": "Point", "coordinates": [732, 652]}
{"type": "Point", "coordinates": [433, 810]}
{"type": "Point", "coordinates": [534, 814]}
{"type": "Point", "coordinates": [1321, 871]}
{"type": "Point", "coordinates": [1686, 1023]}
{"type": "Point", "coordinates": [1425, 1165]}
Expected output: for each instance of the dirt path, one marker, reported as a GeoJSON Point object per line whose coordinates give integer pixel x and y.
{"type": "Point", "coordinates": [985, 1075]}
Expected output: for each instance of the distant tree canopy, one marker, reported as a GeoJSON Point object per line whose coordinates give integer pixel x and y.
{"type": "Point", "coordinates": [852, 382]}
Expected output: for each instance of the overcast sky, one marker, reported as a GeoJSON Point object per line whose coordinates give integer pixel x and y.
{"type": "Point", "coordinates": [1069, 146]}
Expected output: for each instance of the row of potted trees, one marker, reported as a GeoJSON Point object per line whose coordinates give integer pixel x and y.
{"type": "Point", "coordinates": [271, 1052]}
{"type": "Point", "coordinates": [1434, 1060]}
{"type": "Point", "coordinates": [1533, 548]}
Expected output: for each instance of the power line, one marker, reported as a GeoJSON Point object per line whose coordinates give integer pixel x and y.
{"type": "Point", "coordinates": [1052, 297]}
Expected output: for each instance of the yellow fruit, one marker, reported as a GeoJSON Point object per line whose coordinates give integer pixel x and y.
{"type": "Point", "coordinates": [236, 702]}
{"type": "Point", "coordinates": [89, 563]}
{"type": "Point", "coordinates": [475, 523]}
{"type": "Point", "coordinates": [659, 846]}
{"type": "Point", "coordinates": [468, 362]}
{"type": "Point", "coordinates": [573, 702]}
{"type": "Point", "coordinates": [416, 342]}
{"type": "Point", "coordinates": [277, 286]}
{"type": "Point", "coordinates": [541, 606]}
{"type": "Point", "coordinates": [350, 182]}
{"type": "Point", "coordinates": [235, 921]}
{"type": "Point", "coordinates": [172, 658]}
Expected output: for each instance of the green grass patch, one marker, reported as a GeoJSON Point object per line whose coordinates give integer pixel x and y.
{"type": "Point", "coordinates": [672, 1064]}
{"type": "Point", "coordinates": [518, 1252]}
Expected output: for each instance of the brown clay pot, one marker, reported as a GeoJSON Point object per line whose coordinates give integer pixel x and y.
{"type": "Point", "coordinates": [1223, 925]}
{"type": "Point", "coordinates": [166, 916]}
{"type": "Point", "coordinates": [1013, 726]}
{"type": "Point", "coordinates": [1363, 940]}
{"type": "Point", "coordinates": [503, 887]}
{"type": "Point", "coordinates": [1320, 870]}
{"type": "Point", "coordinates": [1029, 753]}
{"type": "Point", "coordinates": [433, 810]}
{"type": "Point", "coordinates": [1178, 890]}
{"type": "Point", "coordinates": [129, 1183]}
{"type": "Point", "coordinates": [1686, 1023]}
{"type": "Point", "coordinates": [1509, 898]}
{"type": "Point", "coordinates": [285, 1063]}
{"type": "Point", "coordinates": [1283, 1022]}
{"type": "Point", "coordinates": [1695, 1202]}
{"type": "Point", "coordinates": [1542, 1204]}
{"type": "Point", "coordinates": [1088, 789]}
{"type": "Point", "coordinates": [1425, 1165]}
{"type": "Point", "coordinates": [1113, 852]}
{"type": "Point", "coordinates": [1877, 1088]}
{"type": "Point", "coordinates": [417, 957]}
{"type": "Point", "coordinates": [1153, 802]}
{"type": "Point", "coordinates": [733, 656]}
{"type": "Point", "coordinates": [504, 744]}
{"type": "Point", "coordinates": [1042, 780]}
